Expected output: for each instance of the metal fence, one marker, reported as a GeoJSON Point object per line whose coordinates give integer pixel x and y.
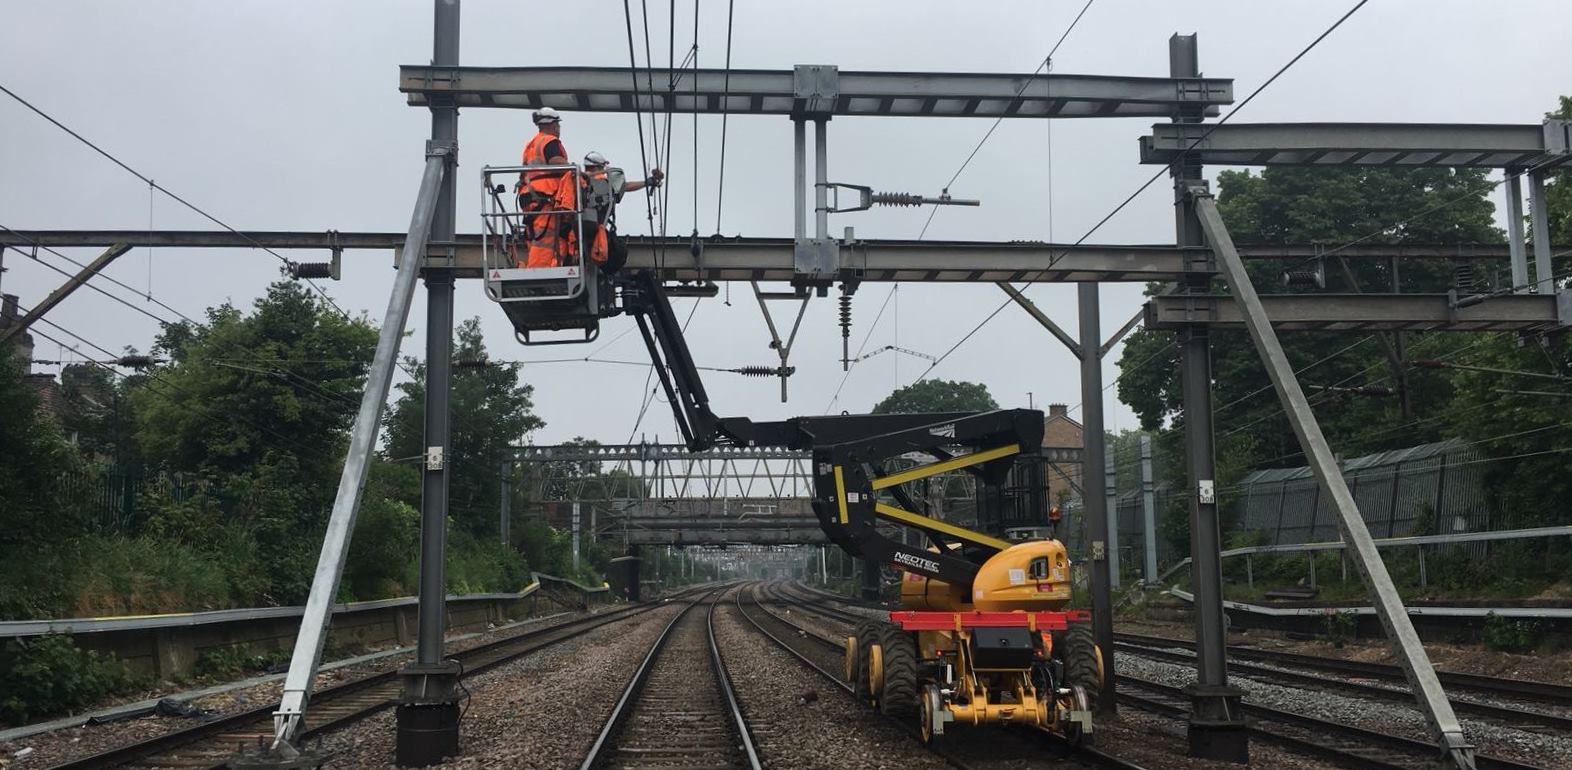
{"type": "Point", "coordinates": [1431, 489]}
{"type": "Point", "coordinates": [117, 499]}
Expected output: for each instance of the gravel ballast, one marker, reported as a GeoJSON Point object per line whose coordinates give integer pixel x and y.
{"type": "Point", "coordinates": [541, 711]}
{"type": "Point", "coordinates": [68, 744]}
{"type": "Point", "coordinates": [1379, 715]}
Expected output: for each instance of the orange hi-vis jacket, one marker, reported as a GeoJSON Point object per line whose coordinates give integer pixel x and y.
{"type": "Point", "coordinates": [553, 240]}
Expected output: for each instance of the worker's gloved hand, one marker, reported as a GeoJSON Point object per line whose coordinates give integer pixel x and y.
{"type": "Point", "coordinates": [656, 177]}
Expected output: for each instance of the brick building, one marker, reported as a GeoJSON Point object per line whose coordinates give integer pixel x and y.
{"type": "Point", "coordinates": [1059, 431]}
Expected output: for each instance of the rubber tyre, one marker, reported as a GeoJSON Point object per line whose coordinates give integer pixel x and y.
{"type": "Point", "coordinates": [1082, 664]}
{"type": "Point", "coordinates": [899, 698]}
{"type": "Point", "coordinates": [867, 635]}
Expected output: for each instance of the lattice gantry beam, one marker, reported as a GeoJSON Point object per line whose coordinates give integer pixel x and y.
{"type": "Point", "coordinates": [1399, 145]}
{"type": "Point", "coordinates": [1371, 312]}
{"type": "Point", "coordinates": [813, 90]}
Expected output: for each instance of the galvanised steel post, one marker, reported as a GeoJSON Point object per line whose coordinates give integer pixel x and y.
{"type": "Point", "coordinates": [1092, 467]}
{"type": "Point", "coordinates": [1514, 223]}
{"type": "Point", "coordinates": [1216, 729]}
{"type": "Point", "coordinates": [1455, 750]}
{"type": "Point", "coordinates": [1148, 510]}
{"type": "Point", "coordinates": [428, 712]}
{"type": "Point", "coordinates": [505, 505]}
{"type": "Point", "coordinates": [1539, 218]}
{"type": "Point", "coordinates": [1111, 495]}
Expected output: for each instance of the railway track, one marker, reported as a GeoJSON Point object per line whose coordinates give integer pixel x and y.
{"type": "Point", "coordinates": [212, 744]}
{"type": "Point", "coordinates": [1543, 692]}
{"type": "Point", "coordinates": [824, 656]}
{"type": "Point", "coordinates": [1346, 745]}
{"type": "Point", "coordinates": [1509, 716]}
{"type": "Point", "coordinates": [674, 713]}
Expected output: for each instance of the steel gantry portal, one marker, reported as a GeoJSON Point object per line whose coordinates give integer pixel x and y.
{"type": "Point", "coordinates": [428, 727]}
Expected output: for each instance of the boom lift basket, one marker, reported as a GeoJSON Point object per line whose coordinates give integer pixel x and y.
{"type": "Point", "coordinates": [570, 296]}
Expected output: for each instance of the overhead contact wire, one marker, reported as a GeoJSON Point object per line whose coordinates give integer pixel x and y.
{"type": "Point", "coordinates": [1210, 128]}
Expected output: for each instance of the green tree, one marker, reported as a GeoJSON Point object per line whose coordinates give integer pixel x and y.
{"type": "Point", "coordinates": [937, 396]}
{"type": "Point", "coordinates": [258, 405]}
{"type": "Point", "coordinates": [243, 390]}
{"type": "Point", "coordinates": [1332, 207]}
{"type": "Point", "coordinates": [98, 413]}
{"type": "Point", "coordinates": [33, 455]}
{"type": "Point", "coordinates": [491, 411]}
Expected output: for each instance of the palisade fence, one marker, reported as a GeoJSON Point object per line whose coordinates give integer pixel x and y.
{"type": "Point", "coordinates": [1431, 489]}
{"type": "Point", "coordinates": [117, 499]}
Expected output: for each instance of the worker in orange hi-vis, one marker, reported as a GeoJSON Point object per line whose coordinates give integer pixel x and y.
{"type": "Point", "coordinates": [551, 196]}
{"type": "Point", "coordinates": [600, 240]}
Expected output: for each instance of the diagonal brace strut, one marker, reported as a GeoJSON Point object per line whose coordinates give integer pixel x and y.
{"type": "Point", "coordinates": [1422, 680]}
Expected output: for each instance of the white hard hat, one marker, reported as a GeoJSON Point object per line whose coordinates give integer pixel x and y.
{"type": "Point", "coordinates": [546, 115]}
{"type": "Point", "coordinates": [596, 159]}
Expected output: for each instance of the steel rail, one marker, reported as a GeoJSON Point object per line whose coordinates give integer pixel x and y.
{"type": "Point", "coordinates": [1395, 751]}
{"type": "Point", "coordinates": [1509, 715]}
{"type": "Point", "coordinates": [378, 691]}
{"type": "Point", "coordinates": [1547, 692]}
{"type": "Point", "coordinates": [603, 752]}
{"type": "Point", "coordinates": [1085, 752]}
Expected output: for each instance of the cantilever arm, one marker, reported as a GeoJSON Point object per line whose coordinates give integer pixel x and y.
{"type": "Point", "coordinates": [58, 295]}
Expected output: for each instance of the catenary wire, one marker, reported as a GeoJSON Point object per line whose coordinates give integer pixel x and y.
{"type": "Point", "coordinates": [720, 180]}
{"type": "Point", "coordinates": [89, 284]}
{"type": "Point", "coordinates": [638, 108]}
{"type": "Point", "coordinates": [1211, 127]}
{"type": "Point", "coordinates": [182, 201]}
{"type": "Point", "coordinates": [1046, 62]}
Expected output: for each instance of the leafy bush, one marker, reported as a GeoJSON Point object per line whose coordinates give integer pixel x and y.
{"type": "Point", "coordinates": [226, 663]}
{"type": "Point", "coordinates": [48, 675]}
{"type": "Point", "coordinates": [1509, 635]}
{"type": "Point", "coordinates": [1341, 626]}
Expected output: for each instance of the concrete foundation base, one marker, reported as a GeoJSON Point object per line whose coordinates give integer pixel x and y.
{"type": "Point", "coordinates": [428, 714]}
{"type": "Point", "coordinates": [1217, 728]}
{"type": "Point", "coordinates": [427, 734]}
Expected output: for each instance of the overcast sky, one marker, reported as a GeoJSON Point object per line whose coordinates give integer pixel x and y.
{"type": "Point", "coordinates": [286, 116]}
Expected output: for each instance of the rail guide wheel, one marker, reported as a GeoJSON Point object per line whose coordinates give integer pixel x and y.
{"type": "Point", "coordinates": [933, 716]}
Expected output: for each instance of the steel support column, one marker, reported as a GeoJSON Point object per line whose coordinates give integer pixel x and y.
{"type": "Point", "coordinates": [1111, 498]}
{"type": "Point", "coordinates": [505, 506]}
{"type": "Point", "coordinates": [290, 717]}
{"type": "Point", "coordinates": [1539, 218]}
{"type": "Point", "coordinates": [1092, 501]}
{"type": "Point", "coordinates": [1216, 729]}
{"type": "Point", "coordinates": [1514, 222]}
{"type": "Point", "coordinates": [1388, 604]}
{"type": "Point", "coordinates": [1148, 512]}
{"type": "Point", "coordinates": [428, 709]}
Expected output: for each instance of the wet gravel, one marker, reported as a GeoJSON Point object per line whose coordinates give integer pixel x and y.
{"type": "Point", "coordinates": [541, 711]}
{"type": "Point", "coordinates": [1384, 716]}
{"type": "Point", "coordinates": [74, 743]}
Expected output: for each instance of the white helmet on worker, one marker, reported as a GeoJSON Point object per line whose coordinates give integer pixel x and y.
{"type": "Point", "coordinates": [596, 159]}
{"type": "Point", "coordinates": [546, 115]}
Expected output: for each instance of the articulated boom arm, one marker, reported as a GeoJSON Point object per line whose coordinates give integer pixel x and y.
{"type": "Point", "coordinates": [852, 489]}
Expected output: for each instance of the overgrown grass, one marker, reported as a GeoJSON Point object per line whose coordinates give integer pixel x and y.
{"type": "Point", "coordinates": [101, 575]}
